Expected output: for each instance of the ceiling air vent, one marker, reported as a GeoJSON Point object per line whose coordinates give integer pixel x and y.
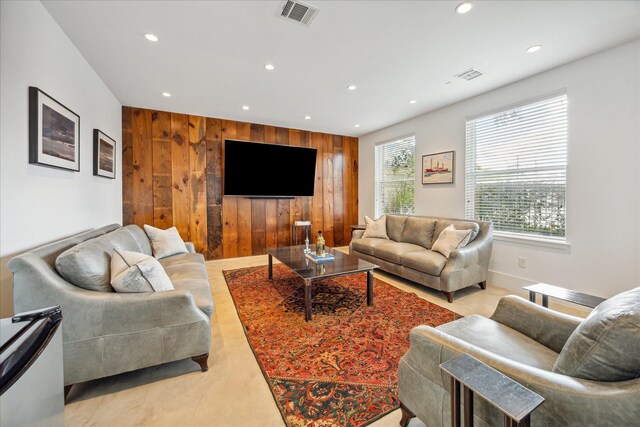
{"type": "Point", "coordinates": [297, 12]}
{"type": "Point", "coordinates": [470, 74]}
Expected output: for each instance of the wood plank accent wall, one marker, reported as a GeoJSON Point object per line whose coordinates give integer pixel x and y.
{"type": "Point", "coordinates": [172, 175]}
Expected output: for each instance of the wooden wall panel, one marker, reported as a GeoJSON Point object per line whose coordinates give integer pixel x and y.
{"type": "Point", "coordinates": [173, 175]}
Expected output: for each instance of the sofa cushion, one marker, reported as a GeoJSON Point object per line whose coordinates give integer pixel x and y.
{"type": "Point", "coordinates": [137, 272]}
{"type": "Point", "coordinates": [426, 261]}
{"type": "Point", "coordinates": [441, 224]}
{"type": "Point", "coordinates": [451, 239]}
{"type": "Point", "coordinates": [130, 238]}
{"type": "Point", "coordinates": [165, 243]}
{"type": "Point", "coordinates": [419, 231]}
{"type": "Point", "coordinates": [606, 345]}
{"type": "Point", "coordinates": [395, 226]}
{"type": "Point", "coordinates": [501, 340]}
{"type": "Point", "coordinates": [366, 245]}
{"type": "Point", "coordinates": [88, 264]}
{"type": "Point", "coordinates": [188, 272]}
{"type": "Point", "coordinates": [393, 251]}
{"type": "Point", "coordinates": [376, 228]}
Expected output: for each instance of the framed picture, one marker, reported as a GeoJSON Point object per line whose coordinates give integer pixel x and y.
{"type": "Point", "coordinates": [104, 155]}
{"type": "Point", "coordinates": [438, 168]}
{"type": "Point", "coordinates": [54, 132]}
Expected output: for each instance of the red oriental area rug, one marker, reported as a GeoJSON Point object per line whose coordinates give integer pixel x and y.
{"type": "Point", "coordinates": [341, 368]}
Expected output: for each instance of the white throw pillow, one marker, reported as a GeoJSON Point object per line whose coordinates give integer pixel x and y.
{"type": "Point", "coordinates": [136, 272]}
{"type": "Point", "coordinates": [376, 228]}
{"type": "Point", "coordinates": [450, 239]}
{"type": "Point", "coordinates": [165, 242]}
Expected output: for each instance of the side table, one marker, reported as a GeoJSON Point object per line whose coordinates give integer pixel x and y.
{"type": "Point", "coordinates": [513, 399]}
{"type": "Point", "coordinates": [561, 293]}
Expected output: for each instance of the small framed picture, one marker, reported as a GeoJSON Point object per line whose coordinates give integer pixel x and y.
{"type": "Point", "coordinates": [438, 168]}
{"type": "Point", "coordinates": [54, 132]}
{"type": "Point", "coordinates": [104, 155]}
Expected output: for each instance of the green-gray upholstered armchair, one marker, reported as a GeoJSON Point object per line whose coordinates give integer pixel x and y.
{"type": "Point", "coordinates": [588, 370]}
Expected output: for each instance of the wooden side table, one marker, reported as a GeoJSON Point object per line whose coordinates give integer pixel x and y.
{"type": "Point", "coordinates": [358, 227]}
{"type": "Point", "coordinates": [513, 399]}
{"type": "Point", "coordinates": [561, 293]}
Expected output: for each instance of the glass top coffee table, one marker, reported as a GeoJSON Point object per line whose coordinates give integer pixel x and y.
{"type": "Point", "coordinates": [343, 264]}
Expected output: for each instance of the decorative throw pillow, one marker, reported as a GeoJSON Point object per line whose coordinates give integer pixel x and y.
{"type": "Point", "coordinates": [136, 272]}
{"type": "Point", "coordinates": [165, 242]}
{"type": "Point", "coordinates": [451, 239]}
{"type": "Point", "coordinates": [376, 228]}
{"type": "Point", "coordinates": [606, 345]}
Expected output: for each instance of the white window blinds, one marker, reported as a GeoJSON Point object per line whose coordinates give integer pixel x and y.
{"type": "Point", "coordinates": [395, 177]}
{"type": "Point", "coordinates": [516, 168]}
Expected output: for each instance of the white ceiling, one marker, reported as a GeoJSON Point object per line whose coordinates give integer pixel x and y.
{"type": "Point", "coordinates": [211, 55]}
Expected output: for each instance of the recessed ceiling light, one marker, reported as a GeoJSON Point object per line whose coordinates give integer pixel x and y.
{"type": "Point", "coordinates": [534, 48]}
{"type": "Point", "coordinates": [245, 107]}
{"type": "Point", "coordinates": [413, 101]}
{"type": "Point", "coordinates": [307, 117]}
{"type": "Point", "coordinates": [352, 87]}
{"type": "Point", "coordinates": [166, 94]}
{"type": "Point", "coordinates": [464, 7]}
{"type": "Point", "coordinates": [356, 125]}
{"type": "Point", "coordinates": [269, 67]}
{"type": "Point", "coordinates": [151, 37]}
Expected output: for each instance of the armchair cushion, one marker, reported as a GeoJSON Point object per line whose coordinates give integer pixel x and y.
{"type": "Point", "coordinates": [605, 347]}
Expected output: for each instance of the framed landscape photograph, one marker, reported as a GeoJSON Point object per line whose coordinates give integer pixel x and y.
{"type": "Point", "coordinates": [438, 168]}
{"type": "Point", "coordinates": [54, 132]}
{"type": "Point", "coordinates": [104, 155]}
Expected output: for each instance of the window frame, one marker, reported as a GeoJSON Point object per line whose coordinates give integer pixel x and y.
{"type": "Point", "coordinates": [561, 242]}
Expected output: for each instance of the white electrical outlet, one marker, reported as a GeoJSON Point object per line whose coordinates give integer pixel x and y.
{"type": "Point", "coordinates": [522, 262]}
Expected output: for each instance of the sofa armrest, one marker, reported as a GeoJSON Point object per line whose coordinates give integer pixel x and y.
{"type": "Point", "coordinates": [548, 327]}
{"type": "Point", "coordinates": [574, 401]}
{"type": "Point", "coordinates": [357, 234]}
{"type": "Point", "coordinates": [190, 247]}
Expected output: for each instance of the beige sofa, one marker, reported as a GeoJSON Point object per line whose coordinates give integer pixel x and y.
{"type": "Point", "coordinates": [407, 252]}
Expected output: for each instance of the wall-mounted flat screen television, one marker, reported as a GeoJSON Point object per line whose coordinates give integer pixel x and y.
{"type": "Point", "coordinates": [253, 169]}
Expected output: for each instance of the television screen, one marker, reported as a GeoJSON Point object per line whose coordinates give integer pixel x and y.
{"type": "Point", "coordinates": [268, 170]}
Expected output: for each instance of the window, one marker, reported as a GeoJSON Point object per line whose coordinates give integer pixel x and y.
{"type": "Point", "coordinates": [395, 177]}
{"type": "Point", "coordinates": [516, 168]}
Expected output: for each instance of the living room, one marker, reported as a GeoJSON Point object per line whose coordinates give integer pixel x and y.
{"type": "Point", "coordinates": [402, 103]}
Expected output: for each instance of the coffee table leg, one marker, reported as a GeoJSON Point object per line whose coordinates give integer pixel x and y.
{"type": "Point", "coordinates": [370, 287]}
{"type": "Point", "coordinates": [307, 299]}
{"type": "Point", "coordinates": [270, 267]}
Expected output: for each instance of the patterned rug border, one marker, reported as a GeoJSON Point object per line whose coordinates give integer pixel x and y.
{"type": "Point", "coordinates": [264, 374]}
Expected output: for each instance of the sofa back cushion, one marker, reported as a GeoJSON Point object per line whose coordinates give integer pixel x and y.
{"type": "Point", "coordinates": [87, 264]}
{"type": "Point", "coordinates": [395, 226]}
{"type": "Point", "coordinates": [419, 231]}
{"type": "Point", "coordinates": [605, 346]}
{"type": "Point", "coordinates": [441, 224]}
{"type": "Point", "coordinates": [130, 238]}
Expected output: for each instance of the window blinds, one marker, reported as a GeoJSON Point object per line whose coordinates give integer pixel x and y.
{"type": "Point", "coordinates": [516, 167]}
{"type": "Point", "coordinates": [395, 177]}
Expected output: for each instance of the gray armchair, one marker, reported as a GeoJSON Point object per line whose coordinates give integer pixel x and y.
{"type": "Point", "coordinates": [538, 348]}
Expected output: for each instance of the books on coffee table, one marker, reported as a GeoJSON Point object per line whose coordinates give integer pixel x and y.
{"type": "Point", "coordinates": [327, 257]}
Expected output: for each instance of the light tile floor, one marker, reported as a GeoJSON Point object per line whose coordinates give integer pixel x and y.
{"type": "Point", "coordinates": [233, 392]}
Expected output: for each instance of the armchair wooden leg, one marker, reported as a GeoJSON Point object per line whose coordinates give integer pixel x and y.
{"type": "Point", "coordinates": [406, 415]}
{"type": "Point", "coordinates": [202, 361]}
{"type": "Point", "coordinates": [483, 284]}
{"type": "Point", "coordinates": [449, 295]}
{"type": "Point", "coordinates": [67, 389]}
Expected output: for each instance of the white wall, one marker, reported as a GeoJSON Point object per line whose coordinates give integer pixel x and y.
{"type": "Point", "coordinates": [41, 204]}
{"type": "Point", "coordinates": [603, 206]}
